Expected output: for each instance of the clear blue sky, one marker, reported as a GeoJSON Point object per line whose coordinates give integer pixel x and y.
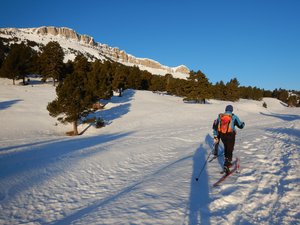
{"type": "Point", "coordinates": [256, 41]}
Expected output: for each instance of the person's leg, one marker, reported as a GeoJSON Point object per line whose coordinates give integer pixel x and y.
{"type": "Point", "coordinates": [230, 146]}
{"type": "Point", "coordinates": [226, 152]}
{"type": "Point", "coordinates": [228, 141]}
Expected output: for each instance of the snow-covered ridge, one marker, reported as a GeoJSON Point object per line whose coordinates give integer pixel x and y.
{"type": "Point", "coordinates": [71, 40]}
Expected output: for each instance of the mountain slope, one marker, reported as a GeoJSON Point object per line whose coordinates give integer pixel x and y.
{"type": "Point", "coordinates": [141, 167]}
{"type": "Point", "coordinates": [73, 42]}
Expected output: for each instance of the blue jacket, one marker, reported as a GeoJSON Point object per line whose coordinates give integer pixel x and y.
{"type": "Point", "coordinates": [235, 122]}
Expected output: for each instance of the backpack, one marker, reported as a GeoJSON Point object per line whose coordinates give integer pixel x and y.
{"type": "Point", "coordinates": [225, 124]}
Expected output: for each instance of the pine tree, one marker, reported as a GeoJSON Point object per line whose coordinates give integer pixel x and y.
{"type": "Point", "coordinates": [283, 95]}
{"type": "Point", "coordinates": [198, 88]}
{"type": "Point", "coordinates": [251, 93]}
{"type": "Point", "coordinates": [73, 99]}
{"type": "Point", "coordinates": [157, 83]}
{"type": "Point", "coordinates": [267, 93]}
{"type": "Point", "coordinates": [246, 92]}
{"type": "Point", "coordinates": [169, 83]}
{"type": "Point", "coordinates": [134, 78]}
{"type": "Point", "coordinates": [257, 94]}
{"type": "Point", "coordinates": [99, 80]}
{"type": "Point", "coordinates": [119, 79]}
{"type": "Point", "coordinates": [3, 51]}
{"type": "Point", "coordinates": [18, 62]}
{"type": "Point", "coordinates": [232, 90]}
{"type": "Point", "coordinates": [145, 80]}
{"type": "Point", "coordinates": [219, 90]}
{"type": "Point", "coordinates": [51, 60]}
{"type": "Point", "coordinates": [105, 80]}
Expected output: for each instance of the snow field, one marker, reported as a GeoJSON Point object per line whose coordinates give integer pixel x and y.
{"type": "Point", "coordinates": [141, 167]}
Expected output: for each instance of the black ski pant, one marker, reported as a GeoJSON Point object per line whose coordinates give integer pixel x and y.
{"type": "Point", "coordinates": [228, 141]}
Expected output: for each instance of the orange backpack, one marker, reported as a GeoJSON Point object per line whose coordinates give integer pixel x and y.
{"type": "Point", "coordinates": [225, 124]}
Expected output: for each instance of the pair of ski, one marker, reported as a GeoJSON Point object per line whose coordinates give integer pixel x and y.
{"type": "Point", "coordinates": [235, 168]}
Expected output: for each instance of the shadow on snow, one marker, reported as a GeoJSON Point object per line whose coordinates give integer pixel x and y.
{"type": "Point", "coordinates": [102, 202]}
{"type": "Point", "coordinates": [122, 107]}
{"type": "Point", "coordinates": [42, 156]}
{"type": "Point", "coordinates": [291, 132]}
{"type": "Point", "coordinates": [7, 104]}
{"type": "Point", "coordinates": [199, 193]}
{"type": "Point", "coordinates": [285, 117]}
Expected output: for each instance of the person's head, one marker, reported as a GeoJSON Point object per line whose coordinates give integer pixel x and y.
{"type": "Point", "coordinates": [229, 108]}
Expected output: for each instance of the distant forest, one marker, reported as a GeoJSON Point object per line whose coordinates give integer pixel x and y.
{"type": "Point", "coordinates": [80, 83]}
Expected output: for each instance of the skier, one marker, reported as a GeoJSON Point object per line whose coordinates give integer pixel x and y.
{"type": "Point", "coordinates": [224, 129]}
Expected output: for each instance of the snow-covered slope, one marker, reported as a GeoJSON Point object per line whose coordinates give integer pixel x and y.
{"type": "Point", "coordinates": [141, 167]}
{"type": "Point", "coordinates": [72, 42]}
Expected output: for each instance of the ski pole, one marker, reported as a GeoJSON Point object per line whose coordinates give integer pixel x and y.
{"type": "Point", "coordinates": [197, 178]}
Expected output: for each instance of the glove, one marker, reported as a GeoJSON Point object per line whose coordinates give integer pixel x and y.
{"type": "Point", "coordinates": [243, 124]}
{"type": "Point", "coordinates": [216, 140]}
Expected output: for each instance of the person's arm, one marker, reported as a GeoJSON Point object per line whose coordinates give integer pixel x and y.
{"type": "Point", "coordinates": [215, 128]}
{"type": "Point", "coordinates": [238, 122]}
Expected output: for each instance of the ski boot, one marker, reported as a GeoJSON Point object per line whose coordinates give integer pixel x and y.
{"type": "Point", "coordinates": [226, 170]}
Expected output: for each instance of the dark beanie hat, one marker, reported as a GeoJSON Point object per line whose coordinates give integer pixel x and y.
{"type": "Point", "coordinates": [229, 108]}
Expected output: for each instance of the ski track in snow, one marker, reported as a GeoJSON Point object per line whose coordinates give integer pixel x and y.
{"type": "Point", "coordinates": [141, 168]}
{"type": "Point", "coordinates": [262, 187]}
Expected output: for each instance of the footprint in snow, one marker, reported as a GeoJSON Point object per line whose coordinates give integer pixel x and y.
{"type": "Point", "coordinates": [247, 146]}
{"type": "Point", "coordinates": [246, 179]}
{"type": "Point", "coordinates": [257, 140]}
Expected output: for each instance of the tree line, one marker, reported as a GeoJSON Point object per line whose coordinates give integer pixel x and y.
{"type": "Point", "coordinates": [82, 83]}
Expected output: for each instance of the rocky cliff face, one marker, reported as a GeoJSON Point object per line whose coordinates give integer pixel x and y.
{"type": "Point", "coordinates": [90, 45]}
{"type": "Point", "coordinates": [122, 56]}
{"type": "Point", "coordinates": [65, 32]}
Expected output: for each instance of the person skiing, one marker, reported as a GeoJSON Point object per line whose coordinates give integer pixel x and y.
{"type": "Point", "coordinates": [224, 129]}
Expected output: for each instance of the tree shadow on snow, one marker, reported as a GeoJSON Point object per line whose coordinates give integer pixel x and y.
{"type": "Point", "coordinates": [97, 204]}
{"type": "Point", "coordinates": [122, 107]}
{"type": "Point", "coordinates": [285, 117]}
{"type": "Point", "coordinates": [199, 193]}
{"type": "Point", "coordinates": [109, 115]}
{"type": "Point", "coordinates": [27, 145]}
{"type": "Point", "coordinates": [40, 158]}
{"type": "Point", "coordinates": [7, 104]}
